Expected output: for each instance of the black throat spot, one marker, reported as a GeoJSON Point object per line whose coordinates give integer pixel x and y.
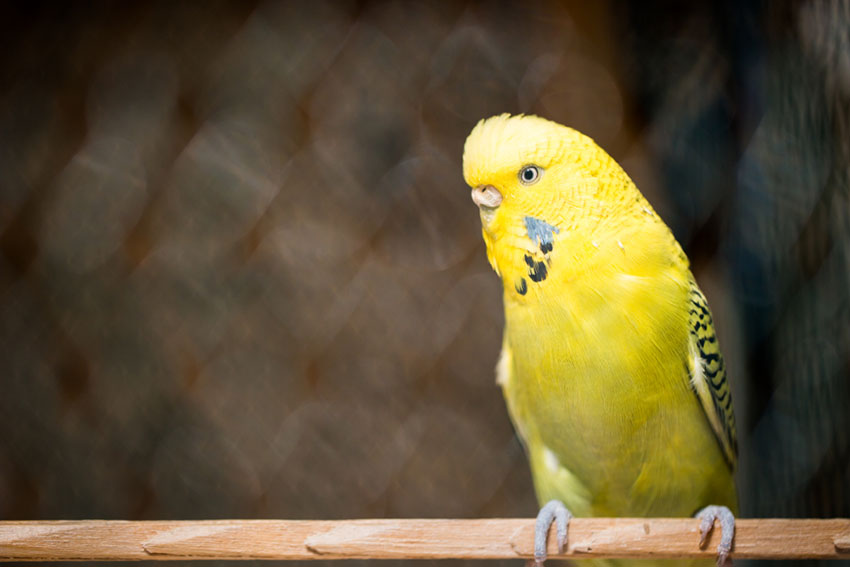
{"type": "Point", "coordinates": [537, 271]}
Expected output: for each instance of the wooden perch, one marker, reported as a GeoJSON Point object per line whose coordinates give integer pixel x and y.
{"type": "Point", "coordinates": [95, 540]}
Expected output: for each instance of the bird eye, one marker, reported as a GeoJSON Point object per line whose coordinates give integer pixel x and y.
{"type": "Point", "coordinates": [529, 174]}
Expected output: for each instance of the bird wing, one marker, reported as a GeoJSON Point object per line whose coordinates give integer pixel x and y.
{"type": "Point", "coordinates": [708, 375]}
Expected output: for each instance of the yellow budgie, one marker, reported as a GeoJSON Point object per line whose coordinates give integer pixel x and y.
{"type": "Point", "coordinates": [610, 365]}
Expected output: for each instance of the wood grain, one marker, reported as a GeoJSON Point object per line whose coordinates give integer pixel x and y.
{"type": "Point", "coordinates": [97, 540]}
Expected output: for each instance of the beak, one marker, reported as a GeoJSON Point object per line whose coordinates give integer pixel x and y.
{"type": "Point", "coordinates": [486, 197]}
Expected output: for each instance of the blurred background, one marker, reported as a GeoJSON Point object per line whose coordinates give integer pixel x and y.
{"type": "Point", "coordinates": [241, 275]}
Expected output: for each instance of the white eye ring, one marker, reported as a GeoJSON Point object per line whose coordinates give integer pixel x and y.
{"type": "Point", "coordinates": [530, 174]}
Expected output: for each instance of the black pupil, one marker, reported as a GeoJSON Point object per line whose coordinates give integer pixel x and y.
{"type": "Point", "coordinates": [528, 174]}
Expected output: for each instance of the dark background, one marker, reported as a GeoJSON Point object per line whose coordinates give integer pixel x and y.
{"type": "Point", "coordinates": [241, 276]}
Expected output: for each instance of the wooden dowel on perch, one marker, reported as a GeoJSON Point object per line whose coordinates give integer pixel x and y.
{"type": "Point", "coordinates": [98, 540]}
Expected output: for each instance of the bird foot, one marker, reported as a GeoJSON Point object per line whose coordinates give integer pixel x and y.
{"type": "Point", "coordinates": [552, 511]}
{"type": "Point", "coordinates": [726, 519]}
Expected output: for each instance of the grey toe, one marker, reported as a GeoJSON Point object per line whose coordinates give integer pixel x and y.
{"type": "Point", "coordinates": [552, 511]}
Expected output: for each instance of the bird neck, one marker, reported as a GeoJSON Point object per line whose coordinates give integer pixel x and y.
{"type": "Point", "coordinates": [539, 260]}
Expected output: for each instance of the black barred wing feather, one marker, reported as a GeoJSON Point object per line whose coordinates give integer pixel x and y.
{"type": "Point", "coordinates": [708, 375]}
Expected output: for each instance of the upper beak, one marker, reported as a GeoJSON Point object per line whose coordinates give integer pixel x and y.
{"type": "Point", "coordinates": [486, 197]}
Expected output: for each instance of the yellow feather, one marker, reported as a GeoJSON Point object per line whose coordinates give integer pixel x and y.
{"type": "Point", "coordinates": [600, 368]}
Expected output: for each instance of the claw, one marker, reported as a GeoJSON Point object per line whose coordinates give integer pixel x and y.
{"type": "Point", "coordinates": [726, 520]}
{"type": "Point", "coordinates": [554, 510]}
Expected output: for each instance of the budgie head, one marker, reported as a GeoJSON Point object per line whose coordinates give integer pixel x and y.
{"type": "Point", "coordinates": [537, 182]}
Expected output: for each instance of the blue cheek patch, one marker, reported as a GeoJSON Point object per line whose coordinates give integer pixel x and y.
{"type": "Point", "coordinates": [543, 235]}
{"type": "Point", "coordinates": [541, 232]}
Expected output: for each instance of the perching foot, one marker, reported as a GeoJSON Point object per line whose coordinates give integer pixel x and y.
{"type": "Point", "coordinates": [726, 520]}
{"type": "Point", "coordinates": [553, 511]}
